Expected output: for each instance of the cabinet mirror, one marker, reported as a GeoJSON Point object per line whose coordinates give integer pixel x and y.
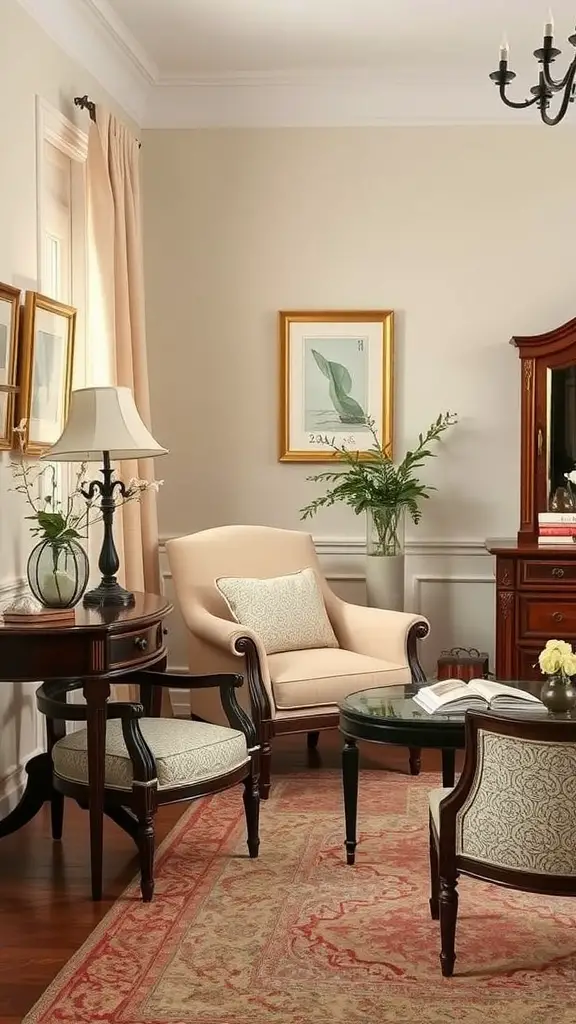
{"type": "Point", "coordinates": [548, 425]}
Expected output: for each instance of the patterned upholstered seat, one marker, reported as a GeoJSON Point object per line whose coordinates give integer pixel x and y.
{"type": "Point", "coordinates": [511, 818]}
{"type": "Point", "coordinates": [184, 752]}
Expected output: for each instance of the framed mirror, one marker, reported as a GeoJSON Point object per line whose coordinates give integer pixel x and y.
{"type": "Point", "coordinates": [548, 425]}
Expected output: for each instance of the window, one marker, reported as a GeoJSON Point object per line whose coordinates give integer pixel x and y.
{"type": "Point", "coordinates": [61, 186]}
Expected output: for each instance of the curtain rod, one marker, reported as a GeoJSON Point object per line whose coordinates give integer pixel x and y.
{"type": "Point", "coordinates": [87, 104]}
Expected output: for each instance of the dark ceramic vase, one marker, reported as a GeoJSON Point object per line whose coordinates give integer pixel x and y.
{"type": "Point", "coordinates": [558, 694]}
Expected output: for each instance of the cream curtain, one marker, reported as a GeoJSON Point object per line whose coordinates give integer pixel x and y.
{"type": "Point", "coordinates": [116, 334]}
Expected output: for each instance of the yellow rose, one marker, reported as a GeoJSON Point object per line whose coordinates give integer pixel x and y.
{"type": "Point", "coordinates": [569, 665]}
{"type": "Point", "coordinates": [550, 661]}
{"type": "Point", "coordinates": [559, 645]}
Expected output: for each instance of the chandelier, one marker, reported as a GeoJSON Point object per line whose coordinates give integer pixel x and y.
{"type": "Point", "coordinates": [547, 86]}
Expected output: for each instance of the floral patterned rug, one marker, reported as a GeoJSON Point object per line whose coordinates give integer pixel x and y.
{"type": "Point", "coordinates": [297, 937]}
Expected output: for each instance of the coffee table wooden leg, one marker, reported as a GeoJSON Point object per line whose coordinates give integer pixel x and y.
{"type": "Point", "coordinates": [415, 760]}
{"type": "Point", "coordinates": [350, 760]}
{"type": "Point", "coordinates": [448, 767]}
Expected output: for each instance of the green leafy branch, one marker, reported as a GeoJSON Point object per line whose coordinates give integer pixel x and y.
{"type": "Point", "coordinates": [374, 483]}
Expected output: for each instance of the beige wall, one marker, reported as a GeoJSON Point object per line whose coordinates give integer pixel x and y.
{"type": "Point", "coordinates": [31, 64]}
{"type": "Point", "coordinates": [467, 233]}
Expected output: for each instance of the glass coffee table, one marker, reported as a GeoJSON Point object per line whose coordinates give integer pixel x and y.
{"type": "Point", "coordinates": [389, 715]}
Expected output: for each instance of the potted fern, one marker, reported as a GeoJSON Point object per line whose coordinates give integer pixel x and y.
{"type": "Point", "coordinates": [386, 492]}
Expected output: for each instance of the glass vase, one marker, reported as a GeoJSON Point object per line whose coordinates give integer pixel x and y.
{"type": "Point", "coordinates": [385, 531]}
{"type": "Point", "coordinates": [58, 573]}
{"type": "Point", "coordinates": [558, 694]}
{"type": "Point", "coordinates": [385, 559]}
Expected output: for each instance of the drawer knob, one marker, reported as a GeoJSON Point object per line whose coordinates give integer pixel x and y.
{"type": "Point", "coordinates": [558, 572]}
{"type": "Point", "coordinates": [557, 616]}
{"type": "Point", "coordinates": [141, 643]}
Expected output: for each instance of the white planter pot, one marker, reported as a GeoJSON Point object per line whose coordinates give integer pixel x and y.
{"type": "Point", "coordinates": [385, 581]}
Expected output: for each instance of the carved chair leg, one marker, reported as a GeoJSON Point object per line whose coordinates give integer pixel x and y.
{"type": "Point", "coordinates": [448, 914]}
{"type": "Point", "coordinates": [312, 740]}
{"type": "Point", "coordinates": [251, 798]}
{"type": "Point", "coordinates": [415, 760]}
{"type": "Point", "coordinates": [265, 769]}
{"type": "Point", "coordinates": [434, 877]}
{"type": "Point", "coordinates": [146, 843]}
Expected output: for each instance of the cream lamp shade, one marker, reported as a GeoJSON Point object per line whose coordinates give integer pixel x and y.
{"type": "Point", "coordinates": [103, 420]}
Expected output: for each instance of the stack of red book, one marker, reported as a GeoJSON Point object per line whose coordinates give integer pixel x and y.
{"type": "Point", "coordinates": [556, 528]}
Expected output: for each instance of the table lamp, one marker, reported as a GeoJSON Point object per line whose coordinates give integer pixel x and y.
{"type": "Point", "coordinates": [104, 424]}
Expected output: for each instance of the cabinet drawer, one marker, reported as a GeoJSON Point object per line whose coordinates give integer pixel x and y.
{"type": "Point", "coordinates": [555, 572]}
{"type": "Point", "coordinates": [546, 617]}
{"type": "Point", "coordinates": [131, 648]}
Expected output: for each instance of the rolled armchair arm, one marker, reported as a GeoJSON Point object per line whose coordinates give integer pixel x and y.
{"type": "Point", "coordinates": [381, 633]}
{"type": "Point", "coordinates": [243, 642]}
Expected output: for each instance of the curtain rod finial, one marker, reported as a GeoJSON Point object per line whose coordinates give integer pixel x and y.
{"type": "Point", "coordinates": [86, 104]}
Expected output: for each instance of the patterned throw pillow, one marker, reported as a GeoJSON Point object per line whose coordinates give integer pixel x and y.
{"type": "Point", "coordinates": [287, 612]}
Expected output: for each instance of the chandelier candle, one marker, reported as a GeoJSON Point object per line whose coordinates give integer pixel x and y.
{"type": "Point", "coordinates": [547, 86]}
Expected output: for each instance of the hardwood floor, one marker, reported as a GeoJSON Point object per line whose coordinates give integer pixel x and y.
{"type": "Point", "coordinates": [45, 908]}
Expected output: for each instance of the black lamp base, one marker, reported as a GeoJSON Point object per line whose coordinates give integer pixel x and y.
{"type": "Point", "coordinates": [109, 595]}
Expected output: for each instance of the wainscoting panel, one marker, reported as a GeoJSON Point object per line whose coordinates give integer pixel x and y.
{"type": "Point", "coordinates": [450, 582]}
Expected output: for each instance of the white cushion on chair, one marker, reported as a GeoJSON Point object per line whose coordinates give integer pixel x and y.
{"type": "Point", "coordinates": [185, 752]}
{"type": "Point", "coordinates": [307, 679]}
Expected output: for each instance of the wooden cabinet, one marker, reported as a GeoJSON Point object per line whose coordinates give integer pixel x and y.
{"type": "Point", "coordinates": [536, 585]}
{"type": "Point", "coordinates": [535, 601]}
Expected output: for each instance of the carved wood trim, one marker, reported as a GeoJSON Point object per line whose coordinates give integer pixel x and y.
{"type": "Point", "coordinates": [506, 599]}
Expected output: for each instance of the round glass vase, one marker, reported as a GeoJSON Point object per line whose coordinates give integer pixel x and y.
{"type": "Point", "coordinates": [385, 558]}
{"type": "Point", "coordinates": [58, 573]}
{"type": "Point", "coordinates": [558, 694]}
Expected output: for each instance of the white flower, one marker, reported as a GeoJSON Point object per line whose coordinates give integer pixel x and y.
{"type": "Point", "coordinates": [571, 476]}
{"type": "Point", "coordinates": [557, 656]}
{"type": "Point", "coordinates": [550, 661]}
{"type": "Point", "coordinates": [559, 645]}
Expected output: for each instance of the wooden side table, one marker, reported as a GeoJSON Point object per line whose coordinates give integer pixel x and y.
{"type": "Point", "coordinates": [100, 646]}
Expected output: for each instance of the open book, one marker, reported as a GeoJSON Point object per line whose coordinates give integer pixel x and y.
{"type": "Point", "coordinates": [452, 696]}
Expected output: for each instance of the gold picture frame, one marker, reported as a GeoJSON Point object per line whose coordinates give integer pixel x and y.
{"type": "Point", "coordinates": [9, 322]}
{"type": "Point", "coordinates": [45, 370]}
{"type": "Point", "coordinates": [336, 368]}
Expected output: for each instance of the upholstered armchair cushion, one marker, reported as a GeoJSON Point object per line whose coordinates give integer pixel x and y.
{"type": "Point", "coordinates": [322, 678]}
{"type": "Point", "coordinates": [287, 612]}
{"type": "Point", "coordinates": [184, 752]}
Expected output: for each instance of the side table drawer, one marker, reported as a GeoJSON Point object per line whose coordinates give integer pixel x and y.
{"type": "Point", "coordinates": [542, 617]}
{"type": "Point", "coordinates": [131, 648]}
{"type": "Point", "coordinates": [556, 572]}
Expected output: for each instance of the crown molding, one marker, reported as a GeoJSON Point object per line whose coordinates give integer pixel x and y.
{"type": "Point", "coordinates": [124, 39]}
{"type": "Point", "coordinates": [287, 99]}
{"type": "Point", "coordinates": [90, 33]}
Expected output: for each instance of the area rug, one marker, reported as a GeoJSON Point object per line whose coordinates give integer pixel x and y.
{"type": "Point", "coordinates": [298, 937]}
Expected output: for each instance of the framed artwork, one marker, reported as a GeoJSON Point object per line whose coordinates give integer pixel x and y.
{"type": "Point", "coordinates": [45, 372]}
{"type": "Point", "coordinates": [9, 319]}
{"type": "Point", "coordinates": [336, 373]}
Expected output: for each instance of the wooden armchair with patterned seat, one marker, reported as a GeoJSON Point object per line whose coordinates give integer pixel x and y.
{"type": "Point", "coordinates": [150, 761]}
{"type": "Point", "coordinates": [510, 819]}
{"type": "Point", "coordinates": [254, 599]}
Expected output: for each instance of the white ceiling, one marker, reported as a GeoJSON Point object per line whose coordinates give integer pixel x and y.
{"type": "Point", "coordinates": [189, 63]}
{"type": "Point", "coordinates": [190, 37]}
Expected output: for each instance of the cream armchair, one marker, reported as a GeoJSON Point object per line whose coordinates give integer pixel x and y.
{"type": "Point", "coordinates": [296, 691]}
